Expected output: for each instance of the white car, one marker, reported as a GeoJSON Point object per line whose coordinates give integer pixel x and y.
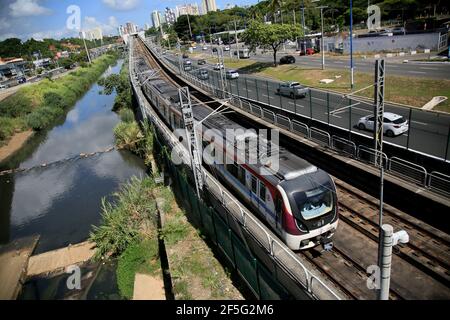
{"type": "Point", "coordinates": [227, 48]}
{"type": "Point", "coordinates": [393, 124]}
{"type": "Point", "coordinates": [219, 66]}
{"type": "Point", "coordinates": [232, 74]}
{"type": "Point", "coordinates": [3, 87]}
{"type": "Point", "coordinates": [205, 48]}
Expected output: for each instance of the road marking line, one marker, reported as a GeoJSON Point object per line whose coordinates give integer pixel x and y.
{"type": "Point", "coordinates": [422, 123]}
{"type": "Point", "coordinates": [417, 72]}
{"type": "Point", "coordinates": [326, 113]}
{"type": "Point", "coordinates": [426, 68]}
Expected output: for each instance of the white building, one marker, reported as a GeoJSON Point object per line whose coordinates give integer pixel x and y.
{"type": "Point", "coordinates": [156, 19]}
{"type": "Point", "coordinates": [170, 16]}
{"type": "Point", "coordinates": [209, 5]}
{"type": "Point", "coordinates": [187, 9]}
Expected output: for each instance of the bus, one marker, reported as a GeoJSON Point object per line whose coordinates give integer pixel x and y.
{"type": "Point", "coordinates": [243, 53]}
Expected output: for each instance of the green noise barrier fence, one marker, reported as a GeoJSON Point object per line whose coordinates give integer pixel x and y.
{"type": "Point", "coordinates": [257, 277]}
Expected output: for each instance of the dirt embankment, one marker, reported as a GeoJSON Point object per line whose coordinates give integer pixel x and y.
{"type": "Point", "coordinates": [14, 144]}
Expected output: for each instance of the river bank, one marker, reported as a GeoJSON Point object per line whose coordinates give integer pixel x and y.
{"type": "Point", "coordinates": [61, 202]}
{"type": "Point", "coordinates": [40, 105]}
{"type": "Point", "coordinates": [16, 142]}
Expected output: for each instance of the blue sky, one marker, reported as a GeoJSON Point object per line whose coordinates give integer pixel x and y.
{"type": "Point", "coordinates": [47, 18]}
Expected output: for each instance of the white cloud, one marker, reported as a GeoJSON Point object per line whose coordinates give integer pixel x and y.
{"type": "Point", "coordinates": [25, 8]}
{"type": "Point", "coordinates": [107, 28]}
{"type": "Point", "coordinates": [4, 23]}
{"type": "Point", "coordinates": [122, 5]}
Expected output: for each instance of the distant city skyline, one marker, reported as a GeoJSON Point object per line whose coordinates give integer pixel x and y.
{"type": "Point", "coordinates": [41, 19]}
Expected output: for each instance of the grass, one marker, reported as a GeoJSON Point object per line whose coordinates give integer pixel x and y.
{"type": "Point", "coordinates": [139, 257]}
{"type": "Point", "coordinates": [39, 105]}
{"type": "Point", "coordinates": [195, 271]}
{"type": "Point", "coordinates": [412, 91]}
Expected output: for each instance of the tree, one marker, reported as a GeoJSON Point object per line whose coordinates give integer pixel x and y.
{"type": "Point", "coordinates": [270, 36]}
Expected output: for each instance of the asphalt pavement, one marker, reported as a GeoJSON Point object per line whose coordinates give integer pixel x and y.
{"type": "Point", "coordinates": [429, 131]}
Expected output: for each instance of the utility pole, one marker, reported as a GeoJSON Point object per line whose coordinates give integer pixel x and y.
{"type": "Point", "coordinates": [85, 47]}
{"type": "Point", "coordinates": [304, 25]}
{"type": "Point", "coordinates": [236, 40]}
{"type": "Point", "coordinates": [191, 134]}
{"type": "Point", "coordinates": [378, 138]}
{"type": "Point", "coordinates": [352, 79]}
{"type": "Point", "coordinates": [323, 37]}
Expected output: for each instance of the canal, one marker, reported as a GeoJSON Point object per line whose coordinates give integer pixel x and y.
{"type": "Point", "coordinates": [61, 202]}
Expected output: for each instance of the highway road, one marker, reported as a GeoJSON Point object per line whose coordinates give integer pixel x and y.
{"type": "Point", "coordinates": [429, 131]}
{"type": "Point", "coordinates": [394, 65]}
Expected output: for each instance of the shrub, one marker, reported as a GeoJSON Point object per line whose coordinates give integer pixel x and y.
{"type": "Point", "coordinates": [128, 134]}
{"type": "Point", "coordinates": [38, 120]}
{"type": "Point", "coordinates": [6, 128]}
{"type": "Point", "coordinates": [122, 218]}
{"type": "Point", "coordinates": [126, 115]}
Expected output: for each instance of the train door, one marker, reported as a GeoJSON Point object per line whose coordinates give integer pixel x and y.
{"type": "Point", "coordinates": [278, 214]}
{"type": "Point", "coordinates": [252, 185]}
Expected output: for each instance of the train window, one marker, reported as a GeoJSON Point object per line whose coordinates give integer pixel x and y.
{"type": "Point", "coordinates": [262, 191]}
{"type": "Point", "coordinates": [241, 175]}
{"type": "Point", "coordinates": [254, 185]}
{"type": "Point", "coordinates": [233, 169]}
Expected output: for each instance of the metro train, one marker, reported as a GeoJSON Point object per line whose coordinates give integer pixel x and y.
{"type": "Point", "coordinates": [298, 201]}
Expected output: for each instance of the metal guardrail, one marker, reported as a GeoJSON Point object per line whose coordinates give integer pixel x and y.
{"type": "Point", "coordinates": [346, 146]}
{"type": "Point", "coordinates": [408, 170]}
{"type": "Point", "coordinates": [439, 182]}
{"type": "Point", "coordinates": [274, 247]}
{"type": "Point", "coordinates": [300, 128]}
{"type": "Point", "coordinates": [369, 155]}
{"type": "Point", "coordinates": [323, 138]}
{"type": "Point", "coordinates": [284, 122]}
{"type": "Point", "coordinates": [436, 181]}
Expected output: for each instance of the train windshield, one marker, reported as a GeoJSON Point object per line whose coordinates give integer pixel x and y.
{"type": "Point", "coordinates": [314, 203]}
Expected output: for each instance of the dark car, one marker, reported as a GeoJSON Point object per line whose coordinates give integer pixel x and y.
{"type": "Point", "coordinates": [287, 60]}
{"type": "Point", "coordinates": [399, 31]}
{"type": "Point", "coordinates": [214, 50]}
{"type": "Point", "coordinates": [21, 80]}
{"type": "Point", "coordinates": [201, 62]}
{"type": "Point", "coordinates": [185, 56]}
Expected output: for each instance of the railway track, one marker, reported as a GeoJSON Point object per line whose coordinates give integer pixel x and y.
{"type": "Point", "coordinates": [420, 268]}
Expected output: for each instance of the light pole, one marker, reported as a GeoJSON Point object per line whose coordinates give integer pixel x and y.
{"type": "Point", "coordinates": [352, 69]}
{"type": "Point", "coordinates": [304, 25]}
{"type": "Point", "coordinates": [323, 37]}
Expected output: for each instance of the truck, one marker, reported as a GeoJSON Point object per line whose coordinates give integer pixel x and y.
{"type": "Point", "coordinates": [292, 90]}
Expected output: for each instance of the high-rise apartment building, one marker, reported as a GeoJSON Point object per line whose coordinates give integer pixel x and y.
{"type": "Point", "coordinates": [209, 5]}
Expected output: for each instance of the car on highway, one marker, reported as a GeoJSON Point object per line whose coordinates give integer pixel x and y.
{"type": "Point", "coordinates": [397, 31]}
{"type": "Point", "coordinates": [205, 48]}
{"type": "Point", "coordinates": [203, 74]}
{"type": "Point", "coordinates": [214, 49]}
{"type": "Point", "coordinates": [187, 65]}
{"type": "Point", "coordinates": [219, 66]}
{"type": "Point", "coordinates": [232, 74]}
{"type": "Point", "coordinates": [185, 56]}
{"type": "Point", "coordinates": [287, 60]}
{"type": "Point", "coordinates": [21, 80]}
{"type": "Point", "coordinates": [309, 52]}
{"type": "Point", "coordinates": [226, 48]}
{"type": "Point", "coordinates": [393, 124]}
{"type": "Point", "coordinates": [292, 90]}
{"type": "Point", "coordinates": [201, 62]}
{"type": "Point", "coordinates": [3, 86]}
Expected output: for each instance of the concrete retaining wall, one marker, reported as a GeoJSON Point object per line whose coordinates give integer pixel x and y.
{"type": "Point", "coordinates": [392, 44]}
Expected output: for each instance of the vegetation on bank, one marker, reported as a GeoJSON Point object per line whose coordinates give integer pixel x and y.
{"type": "Point", "coordinates": [38, 106]}
{"type": "Point", "coordinates": [120, 83]}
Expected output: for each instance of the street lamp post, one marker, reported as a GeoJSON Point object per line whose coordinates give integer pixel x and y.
{"type": "Point", "coordinates": [323, 38]}
{"type": "Point", "coordinates": [352, 69]}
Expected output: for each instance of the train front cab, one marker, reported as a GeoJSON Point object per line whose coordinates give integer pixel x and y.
{"type": "Point", "coordinates": [310, 211]}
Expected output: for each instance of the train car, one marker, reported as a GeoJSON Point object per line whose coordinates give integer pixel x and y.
{"type": "Point", "coordinates": [298, 201]}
